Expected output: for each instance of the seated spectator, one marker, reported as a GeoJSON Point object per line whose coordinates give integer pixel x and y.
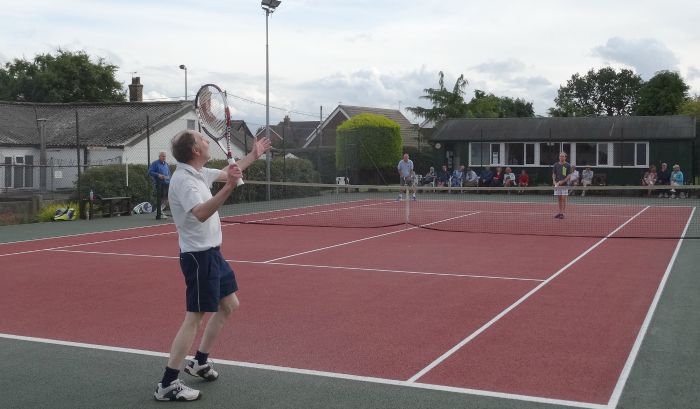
{"type": "Point", "coordinates": [457, 177]}
{"type": "Point", "coordinates": [443, 176]}
{"type": "Point", "coordinates": [509, 178]}
{"type": "Point", "coordinates": [523, 180]}
{"type": "Point", "coordinates": [486, 179]}
{"type": "Point", "coordinates": [649, 178]}
{"type": "Point", "coordinates": [586, 178]}
{"type": "Point", "coordinates": [677, 180]}
{"type": "Point", "coordinates": [429, 177]}
{"type": "Point", "coordinates": [574, 179]}
{"type": "Point", "coordinates": [470, 178]}
{"type": "Point", "coordinates": [497, 180]}
{"type": "Point", "coordinates": [663, 177]}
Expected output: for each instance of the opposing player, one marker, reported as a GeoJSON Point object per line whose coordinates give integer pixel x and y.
{"type": "Point", "coordinates": [406, 173]}
{"type": "Point", "coordinates": [561, 173]}
{"type": "Point", "coordinates": [211, 284]}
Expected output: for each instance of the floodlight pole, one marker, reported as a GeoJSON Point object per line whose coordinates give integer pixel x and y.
{"type": "Point", "coordinates": [184, 67]}
{"type": "Point", "coordinates": [269, 6]}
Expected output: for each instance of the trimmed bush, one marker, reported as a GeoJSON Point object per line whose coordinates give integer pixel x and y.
{"type": "Point", "coordinates": [110, 181]}
{"type": "Point", "coordinates": [368, 147]}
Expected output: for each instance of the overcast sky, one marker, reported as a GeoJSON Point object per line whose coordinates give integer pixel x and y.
{"type": "Point", "coordinates": [379, 53]}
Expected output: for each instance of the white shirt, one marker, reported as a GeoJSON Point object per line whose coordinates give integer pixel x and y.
{"type": "Point", "coordinates": [188, 188]}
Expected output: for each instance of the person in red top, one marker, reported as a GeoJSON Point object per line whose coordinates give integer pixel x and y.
{"type": "Point", "coordinates": [497, 180]}
{"type": "Point", "coordinates": [523, 180]}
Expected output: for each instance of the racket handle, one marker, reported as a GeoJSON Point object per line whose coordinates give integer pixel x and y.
{"type": "Point", "coordinates": [240, 182]}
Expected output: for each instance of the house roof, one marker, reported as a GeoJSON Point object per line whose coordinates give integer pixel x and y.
{"type": "Point", "coordinates": [408, 130]}
{"type": "Point", "coordinates": [100, 124]}
{"type": "Point", "coordinates": [609, 128]}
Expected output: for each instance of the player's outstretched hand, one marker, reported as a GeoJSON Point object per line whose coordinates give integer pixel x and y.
{"type": "Point", "coordinates": [261, 146]}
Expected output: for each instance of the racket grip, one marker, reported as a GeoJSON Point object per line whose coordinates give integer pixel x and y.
{"type": "Point", "coordinates": [240, 182]}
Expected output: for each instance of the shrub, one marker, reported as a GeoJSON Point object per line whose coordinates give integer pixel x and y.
{"type": "Point", "coordinates": [110, 181]}
{"type": "Point", "coordinates": [369, 146]}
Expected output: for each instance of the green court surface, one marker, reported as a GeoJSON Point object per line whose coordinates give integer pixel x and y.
{"type": "Point", "coordinates": [666, 373]}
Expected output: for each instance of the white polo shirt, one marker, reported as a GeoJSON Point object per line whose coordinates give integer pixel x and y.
{"type": "Point", "coordinates": [188, 188]}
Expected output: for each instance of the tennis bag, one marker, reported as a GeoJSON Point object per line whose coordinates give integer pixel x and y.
{"type": "Point", "coordinates": [143, 208]}
{"type": "Point", "coordinates": [63, 214]}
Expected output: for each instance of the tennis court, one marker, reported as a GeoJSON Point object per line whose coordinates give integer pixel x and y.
{"type": "Point", "coordinates": [467, 306]}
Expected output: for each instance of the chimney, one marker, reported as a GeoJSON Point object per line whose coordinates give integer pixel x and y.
{"type": "Point", "coordinates": [287, 120]}
{"type": "Point", "coordinates": [135, 90]}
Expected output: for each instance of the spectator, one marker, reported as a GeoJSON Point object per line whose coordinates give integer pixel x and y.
{"type": "Point", "coordinates": [486, 177]}
{"type": "Point", "coordinates": [443, 176]}
{"type": "Point", "coordinates": [586, 178]}
{"type": "Point", "coordinates": [429, 177]}
{"type": "Point", "coordinates": [677, 180]}
{"type": "Point", "coordinates": [406, 173]}
{"type": "Point", "coordinates": [509, 178]}
{"type": "Point", "coordinates": [457, 177]}
{"type": "Point", "coordinates": [523, 180]}
{"type": "Point", "coordinates": [663, 177]}
{"type": "Point", "coordinates": [470, 178]}
{"type": "Point", "coordinates": [649, 178]}
{"type": "Point", "coordinates": [160, 173]}
{"type": "Point", "coordinates": [497, 180]}
{"type": "Point", "coordinates": [574, 180]}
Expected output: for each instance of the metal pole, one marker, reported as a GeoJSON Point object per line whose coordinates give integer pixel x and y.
{"type": "Point", "coordinates": [42, 154]}
{"type": "Point", "coordinates": [268, 154]}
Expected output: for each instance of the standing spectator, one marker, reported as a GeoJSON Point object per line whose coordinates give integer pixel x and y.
{"type": "Point", "coordinates": [523, 180]}
{"type": "Point", "coordinates": [649, 178]}
{"type": "Point", "coordinates": [486, 177]}
{"type": "Point", "coordinates": [210, 282]}
{"type": "Point", "coordinates": [586, 178]}
{"type": "Point", "coordinates": [677, 180]}
{"type": "Point", "coordinates": [405, 168]}
{"type": "Point", "coordinates": [561, 173]}
{"type": "Point", "coordinates": [509, 178]}
{"type": "Point", "coordinates": [443, 177]}
{"type": "Point", "coordinates": [663, 177]}
{"type": "Point", "coordinates": [429, 177]}
{"type": "Point", "coordinates": [470, 178]}
{"type": "Point", "coordinates": [159, 171]}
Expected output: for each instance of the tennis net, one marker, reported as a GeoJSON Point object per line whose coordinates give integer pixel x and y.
{"type": "Point", "coordinates": [605, 211]}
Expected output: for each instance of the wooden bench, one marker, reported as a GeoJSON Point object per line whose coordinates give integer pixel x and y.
{"type": "Point", "coordinates": [106, 207]}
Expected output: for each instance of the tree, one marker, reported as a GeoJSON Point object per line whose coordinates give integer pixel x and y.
{"type": "Point", "coordinates": [65, 77]}
{"type": "Point", "coordinates": [490, 106]}
{"type": "Point", "coordinates": [663, 94]}
{"type": "Point", "coordinates": [446, 103]}
{"type": "Point", "coordinates": [691, 106]}
{"type": "Point", "coordinates": [602, 92]}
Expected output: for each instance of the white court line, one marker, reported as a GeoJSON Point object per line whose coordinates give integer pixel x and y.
{"type": "Point", "coordinates": [86, 244]}
{"type": "Point", "coordinates": [627, 369]}
{"type": "Point", "coordinates": [368, 238]}
{"type": "Point", "coordinates": [302, 214]}
{"type": "Point", "coordinates": [85, 234]}
{"type": "Point", "coordinates": [325, 374]}
{"type": "Point", "coordinates": [503, 313]}
{"type": "Point", "coordinates": [312, 266]}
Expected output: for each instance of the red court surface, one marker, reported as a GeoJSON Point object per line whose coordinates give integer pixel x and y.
{"type": "Point", "coordinates": [526, 316]}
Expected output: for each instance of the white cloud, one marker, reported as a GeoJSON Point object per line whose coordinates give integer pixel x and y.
{"type": "Point", "coordinates": [646, 55]}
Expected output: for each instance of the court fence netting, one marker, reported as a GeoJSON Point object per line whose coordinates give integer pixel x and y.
{"type": "Point", "coordinates": [659, 212]}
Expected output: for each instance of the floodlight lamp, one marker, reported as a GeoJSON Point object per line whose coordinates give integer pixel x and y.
{"type": "Point", "coordinates": [270, 5]}
{"type": "Point", "coordinates": [183, 67]}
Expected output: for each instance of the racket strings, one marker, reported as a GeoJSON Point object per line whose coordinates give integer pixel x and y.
{"type": "Point", "coordinates": [211, 109]}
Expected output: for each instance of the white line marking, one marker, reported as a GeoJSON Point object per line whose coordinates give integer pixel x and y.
{"type": "Point", "coordinates": [84, 234]}
{"type": "Point", "coordinates": [86, 244]}
{"type": "Point", "coordinates": [368, 238]}
{"type": "Point", "coordinates": [302, 214]}
{"type": "Point", "coordinates": [495, 319]}
{"type": "Point", "coordinates": [325, 374]}
{"type": "Point", "coordinates": [627, 369]}
{"type": "Point", "coordinates": [313, 266]}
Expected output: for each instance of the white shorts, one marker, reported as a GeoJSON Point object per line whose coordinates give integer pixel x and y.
{"type": "Point", "coordinates": [561, 191]}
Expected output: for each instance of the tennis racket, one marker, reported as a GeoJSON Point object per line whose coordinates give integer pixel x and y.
{"type": "Point", "coordinates": [214, 115]}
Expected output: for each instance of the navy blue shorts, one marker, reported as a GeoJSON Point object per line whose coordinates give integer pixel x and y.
{"type": "Point", "coordinates": [208, 277]}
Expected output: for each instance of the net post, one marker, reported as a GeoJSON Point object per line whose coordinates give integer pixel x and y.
{"type": "Point", "coordinates": [407, 206]}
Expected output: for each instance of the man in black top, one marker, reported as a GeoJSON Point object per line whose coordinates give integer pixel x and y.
{"type": "Point", "coordinates": [561, 173]}
{"type": "Point", "coordinates": [663, 177]}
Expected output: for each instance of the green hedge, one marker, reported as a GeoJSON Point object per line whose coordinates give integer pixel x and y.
{"type": "Point", "coordinates": [368, 147]}
{"type": "Point", "coordinates": [281, 169]}
{"type": "Point", "coordinates": [110, 181]}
